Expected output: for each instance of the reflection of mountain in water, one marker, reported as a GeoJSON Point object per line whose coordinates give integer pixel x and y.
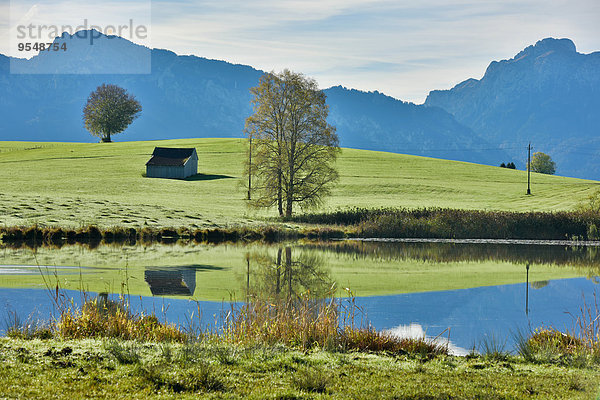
{"type": "Point", "coordinates": [177, 281]}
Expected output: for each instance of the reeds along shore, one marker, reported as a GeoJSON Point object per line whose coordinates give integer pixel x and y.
{"type": "Point", "coordinates": [461, 224]}
{"type": "Point", "coordinates": [35, 236]}
{"type": "Point", "coordinates": [366, 223]}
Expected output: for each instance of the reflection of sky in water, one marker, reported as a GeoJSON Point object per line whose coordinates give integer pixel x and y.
{"type": "Point", "coordinates": [471, 314]}
{"type": "Point", "coordinates": [416, 331]}
{"type": "Point", "coordinates": [37, 303]}
{"type": "Point", "coordinates": [35, 270]}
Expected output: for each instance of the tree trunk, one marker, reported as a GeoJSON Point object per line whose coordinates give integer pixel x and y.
{"type": "Point", "coordinates": [279, 195]}
{"type": "Point", "coordinates": [247, 277]}
{"type": "Point", "coordinates": [290, 189]}
{"type": "Point", "coordinates": [288, 207]}
{"type": "Point", "coordinates": [288, 267]}
{"type": "Point", "coordinates": [278, 287]}
{"type": "Point", "coordinates": [106, 138]}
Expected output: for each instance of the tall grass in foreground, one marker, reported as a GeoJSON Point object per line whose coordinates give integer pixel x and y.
{"type": "Point", "coordinates": [297, 322]}
{"type": "Point", "coordinates": [100, 318]}
{"type": "Point", "coordinates": [575, 347]}
{"type": "Point", "coordinates": [306, 323]}
{"type": "Point", "coordinates": [323, 323]}
{"type": "Point", "coordinates": [587, 325]}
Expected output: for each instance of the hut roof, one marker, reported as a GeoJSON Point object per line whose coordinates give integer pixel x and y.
{"type": "Point", "coordinates": [170, 156]}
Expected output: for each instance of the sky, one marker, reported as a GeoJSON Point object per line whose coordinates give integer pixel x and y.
{"type": "Point", "coordinates": [401, 48]}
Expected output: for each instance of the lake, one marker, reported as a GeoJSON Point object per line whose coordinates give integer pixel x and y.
{"type": "Point", "coordinates": [465, 291]}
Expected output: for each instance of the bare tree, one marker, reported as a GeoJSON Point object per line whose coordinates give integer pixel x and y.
{"type": "Point", "coordinates": [293, 147]}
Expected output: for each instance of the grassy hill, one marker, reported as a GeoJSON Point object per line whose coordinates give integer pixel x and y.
{"type": "Point", "coordinates": [73, 184]}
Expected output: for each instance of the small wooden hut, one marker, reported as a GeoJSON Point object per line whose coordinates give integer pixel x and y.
{"type": "Point", "coordinates": [171, 281]}
{"type": "Point", "coordinates": [173, 163]}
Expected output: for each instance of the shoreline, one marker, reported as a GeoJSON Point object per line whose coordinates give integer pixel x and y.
{"type": "Point", "coordinates": [572, 228]}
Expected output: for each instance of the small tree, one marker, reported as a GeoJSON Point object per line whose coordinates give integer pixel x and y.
{"type": "Point", "coordinates": [293, 146]}
{"type": "Point", "coordinates": [109, 110]}
{"type": "Point", "coordinates": [542, 163]}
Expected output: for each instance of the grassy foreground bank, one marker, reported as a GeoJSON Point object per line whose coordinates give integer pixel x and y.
{"type": "Point", "coordinates": [76, 184]}
{"type": "Point", "coordinates": [285, 348]}
{"type": "Point", "coordinates": [70, 369]}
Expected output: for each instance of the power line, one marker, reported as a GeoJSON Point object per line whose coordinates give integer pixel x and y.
{"type": "Point", "coordinates": [468, 149]}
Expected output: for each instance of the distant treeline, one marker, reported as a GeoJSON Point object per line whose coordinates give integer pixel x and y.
{"type": "Point", "coordinates": [459, 224]}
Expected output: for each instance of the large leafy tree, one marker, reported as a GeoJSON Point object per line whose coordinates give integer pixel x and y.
{"type": "Point", "coordinates": [542, 163]}
{"type": "Point", "coordinates": [292, 147]}
{"type": "Point", "coordinates": [109, 110]}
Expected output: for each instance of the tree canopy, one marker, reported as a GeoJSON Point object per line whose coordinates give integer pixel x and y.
{"type": "Point", "coordinates": [109, 110]}
{"type": "Point", "coordinates": [292, 148]}
{"type": "Point", "coordinates": [542, 163]}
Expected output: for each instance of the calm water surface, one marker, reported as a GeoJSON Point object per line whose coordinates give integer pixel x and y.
{"type": "Point", "coordinates": [468, 291]}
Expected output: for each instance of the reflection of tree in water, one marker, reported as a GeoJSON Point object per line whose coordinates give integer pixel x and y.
{"type": "Point", "coordinates": [539, 284]}
{"type": "Point", "coordinates": [287, 275]}
{"type": "Point", "coordinates": [580, 256]}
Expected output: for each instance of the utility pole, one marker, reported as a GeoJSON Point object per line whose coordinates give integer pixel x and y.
{"type": "Point", "coordinates": [247, 277]}
{"type": "Point", "coordinates": [527, 292]}
{"type": "Point", "coordinates": [529, 168]}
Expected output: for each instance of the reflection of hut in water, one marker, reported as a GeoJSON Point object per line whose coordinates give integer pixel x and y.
{"type": "Point", "coordinates": [177, 281]}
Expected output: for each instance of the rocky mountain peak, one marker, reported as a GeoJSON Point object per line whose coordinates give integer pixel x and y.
{"type": "Point", "coordinates": [548, 45]}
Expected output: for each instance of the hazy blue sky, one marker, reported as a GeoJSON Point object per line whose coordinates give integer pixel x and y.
{"type": "Point", "coordinates": [401, 48]}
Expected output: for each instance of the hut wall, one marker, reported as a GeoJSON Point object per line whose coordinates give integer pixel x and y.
{"type": "Point", "coordinates": [191, 166]}
{"type": "Point", "coordinates": [162, 171]}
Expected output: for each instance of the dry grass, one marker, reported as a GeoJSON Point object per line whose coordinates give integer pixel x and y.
{"type": "Point", "coordinates": [563, 343]}
{"type": "Point", "coordinates": [299, 322]}
{"type": "Point", "coordinates": [310, 323]}
{"type": "Point", "coordinates": [587, 325]}
{"type": "Point", "coordinates": [370, 340]}
{"type": "Point", "coordinates": [104, 318]}
{"type": "Point", "coordinates": [302, 322]}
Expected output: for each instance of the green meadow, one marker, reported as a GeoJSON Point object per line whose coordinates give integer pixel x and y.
{"type": "Point", "coordinates": [75, 184]}
{"type": "Point", "coordinates": [60, 369]}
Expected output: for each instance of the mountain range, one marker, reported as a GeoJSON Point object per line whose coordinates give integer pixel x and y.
{"type": "Point", "coordinates": [546, 87]}
{"type": "Point", "coordinates": [548, 94]}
